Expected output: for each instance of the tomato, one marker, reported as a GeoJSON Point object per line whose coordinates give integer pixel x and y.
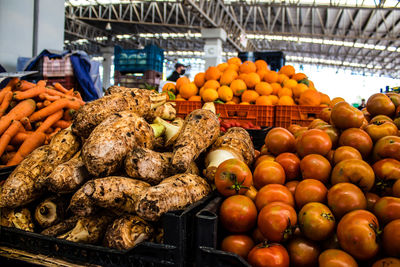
{"type": "Point", "coordinates": [291, 165]}
{"type": "Point", "coordinates": [387, 262]}
{"type": "Point", "coordinates": [344, 116]}
{"type": "Point", "coordinates": [264, 150]}
{"type": "Point", "coordinates": [232, 177]}
{"type": "Point", "coordinates": [314, 166]}
{"type": "Point", "coordinates": [280, 140]}
{"type": "Point", "coordinates": [258, 236]}
{"type": "Point", "coordinates": [357, 234]}
{"type": "Point", "coordinates": [377, 130]}
{"type": "Point", "coordinates": [396, 189]}
{"type": "Point", "coordinates": [262, 158]}
{"type": "Point", "coordinates": [325, 114]}
{"type": "Point", "coordinates": [310, 190]}
{"type": "Point", "coordinates": [345, 152]}
{"type": "Point", "coordinates": [300, 132]}
{"type": "Point", "coordinates": [316, 221]}
{"type": "Point", "coordinates": [387, 209]}
{"type": "Point", "coordinates": [367, 116]}
{"type": "Point", "coordinates": [354, 171]}
{"type": "Point", "coordinates": [380, 104]}
{"type": "Point", "coordinates": [332, 132]}
{"type": "Point", "coordinates": [238, 244]}
{"type": "Point", "coordinates": [395, 98]}
{"type": "Point", "coordinates": [269, 255]}
{"type": "Point", "coordinates": [371, 200]}
{"type": "Point", "coordinates": [317, 122]}
{"type": "Point", "coordinates": [391, 238]}
{"type": "Point", "coordinates": [257, 153]}
{"type": "Point", "coordinates": [345, 197]}
{"type": "Point", "coordinates": [358, 139]}
{"type": "Point", "coordinates": [251, 193]}
{"type": "Point", "coordinates": [238, 214]}
{"type": "Point", "coordinates": [276, 221]}
{"type": "Point", "coordinates": [303, 252]}
{"type": "Point", "coordinates": [380, 119]}
{"type": "Point", "coordinates": [329, 156]}
{"type": "Point", "coordinates": [387, 171]}
{"type": "Point", "coordinates": [331, 243]}
{"type": "Point", "coordinates": [364, 125]}
{"type": "Point", "coordinates": [293, 128]}
{"type": "Point", "coordinates": [313, 141]}
{"type": "Point", "coordinates": [268, 172]}
{"type": "Point", "coordinates": [396, 122]}
{"type": "Point", "coordinates": [387, 147]}
{"type": "Point", "coordinates": [273, 193]}
{"type": "Point", "coordinates": [291, 185]}
{"type": "Point", "coordinates": [336, 258]}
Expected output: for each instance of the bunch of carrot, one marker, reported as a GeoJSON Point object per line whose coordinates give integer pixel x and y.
{"type": "Point", "coordinates": [30, 114]}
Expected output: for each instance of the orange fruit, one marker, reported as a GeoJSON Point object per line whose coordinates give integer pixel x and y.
{"type": "Point", "coordinates": [310, 98]}
{"type": "Point", "coordinates": [181, 81]}
{"type": "Point", "coordinates": [235, 60]}
{"type": "Point", "coordinates": [285, 92]}
{"type": "Point", "coordinates": [244, 103]}
{"type": "Point", "coordinates": [311, 84]}
{"type": "Point", "coordinates": [169, 87]}
{"type": "Point", "coordinates": [282, 78]}
{"type": "Point", "coordinates": [261, 65]}
{"type": "Point", "coordinates": [286, 100]}
{"type": "Point", "coordinates": [230, 103]}
{"type": "Point", "coordinates": [275, 88]}
{"type": "Point", "coordinates": [325, 99]}
{"type": "Point", "coordinates": [264, 88]}
{"type": "Point", "coordinates": [233, 67]}
{"type": "Point", "coordinates": [271, 76]}
{"type": "Point", "coordinates": [335, 100]}
{"type": "Point", "coordinates": [238, 87]}
{"type": "Point", "coordinates": [225, 93]}
{"type": "Point", "coordinates": [236, 99]}
{"type": "Point", "coordinates": [299, 89]}
{"type": "Point", "coordinates": [274, 99]}
{"type": "Point", "coordinates": [200, 79]}
{"type": "Point", "coordinates": [252, 79]}
{"type": "Point", "coordinates": [222, 67]}
{"type": "Point", "coordinates": [263, 100]}
{"type": "Point", "coordinates": [209, 95]}
{"type": "Point", "coordinates": [299, 76]}
{"type": "Point", "coordinates": [290, 83]}
{"type": "Point", "coordinates": [262, 73]}
{"type": "Point", "coordinates": [248, 67]}
{"type": "Point", "coordinates": [201, 91]}
{"type": "Point", "coordinates": [228, 76]}
{"type": "Point", "coordinates": [242, 76]}
{"type": "Point", "coordinates": [249, 96]}
{"type": "Point", "coordinates": [213, 73]}
{"type": "Point", "coordinates": [211, 84]}
{"type": "Point", "coordinates": [187, 90]}
{"type": "Point", "coordinates": [288, 70]}
{"type": "Point", "coordinates": [195, 98]}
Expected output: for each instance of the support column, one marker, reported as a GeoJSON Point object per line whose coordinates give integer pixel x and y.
{"type": "Point", "coordinates": [107, 53]}
{"type": "Point", "coordinates": [214, 39]}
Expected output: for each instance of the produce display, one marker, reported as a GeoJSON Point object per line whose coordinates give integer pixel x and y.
{"type": "Point", "coordinates": [234, 82]}
{"type": "Point", "coordinates": [31, 114]}
{"type": "Point", "coordinates": [323, 195]}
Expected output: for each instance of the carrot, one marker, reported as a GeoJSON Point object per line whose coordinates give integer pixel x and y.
{"type": "Point", "coordinates": [24, 85]}
{"type": "Point", "coordinates": [10, 85]}
{"type": "Point", "coordinates": [23, 109]}
{"type": "Point", "coordinates": [19, 138]}
{"type": "Point", "coordinates": [68, 114]}
{"type": "Point", "coordinates": [30, 93]}
{"type": "Point", "coordinates": [62, 124]}
{"type": "Point", "coordinates": [50, 120]}
{"type": "Point", "coordinates": [31, 143]}
{"type": "Point", "coordinates": [57, 93]}
{"type": "Point", "coordinates": [49, 131]}
{"type": "Point", "coordinates": [45, 96]}
{"type": "Point", "coordinates": [7, 156]}
{"type": "Point", "coordinates": [8, 135]}
{"type": "Point", "coordinates": [78, 95]}
{"type": "Point", "coordinates": [13, 103]}
{"type": "Point", "coordinates": [53, 133]}
{"type": "Point", "coordinates": [39, 105]}
{"type": "Point", "coordinates": [60, 88]}
{"type": "Point", "coordinates": [10, 148]}
{"type": "Point", "coordinates": [70, 92]}
{"type": "Point", "coordinates": [53, 108]}
{"type": "Point", "coordinates": [26, 123]}
{"type": "Point", "coordinates": [6, 102]}
{"type": "Point", "coordinates": [46, 103]}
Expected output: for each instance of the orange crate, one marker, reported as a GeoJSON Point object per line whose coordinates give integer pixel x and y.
{"type": "Point", "coordinates": [257, 114]}
{"type": "Point", "coordinates": [183, 108]}
{"type": "Point", "coordinates": [301, 115]}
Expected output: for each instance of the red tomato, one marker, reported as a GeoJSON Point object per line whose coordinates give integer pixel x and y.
{"type": "Point", "coordinates": [310, 190]}
{"type": "Point", "coordinates": [357, 234]}
{"type": "Point", "coordinates": [303, 253]}
{"type": "Point", "coordinates": [354, 171]}
{"type": "Point", "coordinates": [371, 200]}
{"type": "Point", "coordinates": [315, 166]}
{"type": "Point", "coordinates": [313, 141]}
{"type": "Point", "coordinates": [238, 244]}
{"type": "Point", "coordinates": [345, 152]}
{"type": "Point", "coordinates": [387, 209]}
{"type": "Point", "coordinates": [291, 185]}
{"type": "Point", "coordinates": [268, 172]}
{"type": "Point", "coordinates": [258, 236]}
{"type": "Point", "coordinates": [232, 177]}
{"type": "Point", "coordinates": [276, 221]}
{"type": "Point", "coordinates": [387, 172]}
{"type": "Point", "coordinates": [273, 193]}
{"type": "Point", "coordinates": [280, 140]}
{"type": "Point", "coordinates": [387, 262]}
{"type": "Point", "coordinates": [336, 258]}
{"type": "Point", "coordinates": [387, 147]}
{"type": "Point", "coordinates": [262, 158]}
{"type": "Point", "coordinates": [357, 139]}
{"type": "Point", "coordinates": [269, 255]}
{"type": "Point", "coordinates": [316, 221]}
{"type": "Point", "coordinates": [238, 214]}
{"type": "Point", "coordinates": [291, 164]}
{"type": "Point", "coordinates": [391, 238]}
{"type": "Point", "coordinates": [345, 197]}
{"type": "Point", "coordinates": [396, 189]}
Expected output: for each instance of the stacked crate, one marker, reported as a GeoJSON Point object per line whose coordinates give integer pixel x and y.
{"type": "Point", "coordinates": [59, 70]}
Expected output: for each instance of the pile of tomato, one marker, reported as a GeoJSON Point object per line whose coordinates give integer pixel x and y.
{"type": "Point", "coordinates": [323, 195]}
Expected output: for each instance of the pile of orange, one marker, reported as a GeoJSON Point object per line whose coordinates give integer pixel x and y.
{"type": "Point", "coordinates": [234, 82]}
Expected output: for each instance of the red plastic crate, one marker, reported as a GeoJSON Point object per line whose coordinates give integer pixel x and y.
{"type": "Point", "coordinates": [68, 82]}
{"type": "Point", "coordinates": [301, 115]}
{"type": "Point", "coordinates": [257, 114]}
{"type": "Point", "coordinates": [183, 108]}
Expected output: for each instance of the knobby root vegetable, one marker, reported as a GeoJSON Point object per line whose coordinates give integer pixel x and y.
{"type": "Point", "coordinates": [17, 218]}
{"type": "Point", "coordinates": [61, 227]}
{"type": "Point", "coordinates": [127, 231]}
{"type": "Point", "coordinates": [50, 211]}
{"type": "Point", "coordinates": [166, 111]}
{"type": "Point", "coordinates": [173, 193]}
{"type": "Point", "coordinates": [172, 130]}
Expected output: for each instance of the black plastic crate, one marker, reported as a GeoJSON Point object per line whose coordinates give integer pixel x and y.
{"type": "Point", "coordinates": [275, 59]}
{"type": "Point", "coordinates": [258, 136]}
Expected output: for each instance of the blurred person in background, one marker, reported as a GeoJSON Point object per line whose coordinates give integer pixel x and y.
{"type": "Point", "coordinates": [362, 105]}
{"type": "Point", "coordinates": [179, 70]}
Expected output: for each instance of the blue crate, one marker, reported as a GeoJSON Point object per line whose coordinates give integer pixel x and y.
{"type": "Point", "coordinates": [139, 60]}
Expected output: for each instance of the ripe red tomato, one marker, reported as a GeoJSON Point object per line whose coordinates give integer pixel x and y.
{"type": "Point", "coordinates": [354, 171]}
{"type": "Point", "coordinates": [371, 200]}
{"type": "Point", "coordinates": [387, 147]}
{"type": "Point", "coordinates": [303, 252]}
{"type": "Point", "coordinates": [258, 236]}
{"type": "Point", "coordinates": [387, 209]}
{"type": "Point", "coordinates": [291, 164]}
{"type": "Point", "coordinates": [313, 141]}
{"type": "Point", "coordinates": [316, 221]}
{"type": "Point", "coordinates": [396, 189]}
{"type": "Point", "coordinates": [325, 114]}
{"type": "Point", "coordinates": [238, 214]}
{"type": "Point", "coordinates": [345, 116]}
{"type": "Point", "coordinates": [377, 130]}
{"type": "Point", "coordinates": [345, 197]}
{"type": "Point", "coordinates": [357, 233]}
{"type": "Point", "coordinates": [358, 139]}
{"type": "Point", "coordinates": [315, 166]}
{"type": "Point", "coordinates": [336, 258]}
{"type": "Point", "coordinates": [276, 221]}
{"type": "Point", "coordinates": [332, 132]}
{"type": "Point", "coordinates": [316, 122]}
{"type": "Point", "coordinates": [233, 176]}
{"type": "Point", "coordinates": [269, 255]}
{"type": "Point", "coordinates": [380, 104]}
{"type": "Point", "coordinates": [268, 172]}
{"type": "Point", "coordinates": [262, 158]}
{"type": "Point", "coordinates": [273, 193]}
{"type": "Point", "coordinates": [310, 190]}
{"type": "Point", "coordinates": [387, 262]}
{"type": "Point", "coordinates": [291, 185]}
{"type": "Point", "coordinates": [238, 244]}
{"type": "Point", "coordinates": [345, 152]}
{"type": "Point", "coordinates": [391, 238]}
{"type": "Point", "coordinates": [280, 140]}
{"type": "Point", "coordinates": [387, 171]}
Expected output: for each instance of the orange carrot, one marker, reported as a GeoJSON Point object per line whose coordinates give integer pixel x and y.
{"type": "Point", "coordinates": [60, 88]}
{"type": "Point", "coordinates": [8, 135]}
{"type": "Point", "coordinates": [45, 96]}
{"type": "Point", "coordinates": [49, 130]}
{"type": "Point", "coordinates": [62, 124]}
{"type": "Point", "coordinates": [53, 108]}
{"type": "Point", "coordinates": [26, 123]}
{"type": "Point", "coordinates": [24, 85]}
{"type": "Point", "coordinates": [30, 93]}
{"type": "Point", "coordinates": [39, 105]}
{"type": "Point", "coordinates": [46, 103]}
{"type": "Point", "coordinates": [57, 93]}
{"type": "Point", "coordinates": [8, 88]}
{"type": "Point", "coordinates": [70, 92]}
{"type": "Point", "coordinates": [31, 143]}
{"type": "Point", "coordinates": [68, 114]}
{"type": "Point", "coordinates": [50, 120]}
{"type": "Point", "coordinates": [6, 102]}
{"type": "Point", "coordinates": [7, 156]}
{"type": "Point", "coordinates": [19, 138]}
{"type": "Point", "coordinates": [23, 109]}
{"type": "Point", "coordinates": [10, 148]}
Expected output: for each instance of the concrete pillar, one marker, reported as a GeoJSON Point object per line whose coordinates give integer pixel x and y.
{"type": "Point", "coordinates": [107, 53]}
{"type": "Point", "coordinates": [214, 39]}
